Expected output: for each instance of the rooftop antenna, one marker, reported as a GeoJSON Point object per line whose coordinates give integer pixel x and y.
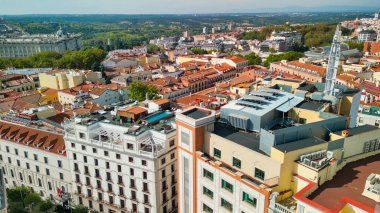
{"type": "Point", "coordinates": [333, 64]}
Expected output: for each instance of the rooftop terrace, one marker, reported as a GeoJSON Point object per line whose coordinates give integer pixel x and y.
{"type": "Point", "coordinates": [349, 182]}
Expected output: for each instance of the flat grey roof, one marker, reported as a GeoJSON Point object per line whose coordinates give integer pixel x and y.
{"type": "Point", "coordinates": [359, 130]}
{"type": "Point", "coordinates": [246, 139]}
{"type": "Point", "coordinates": [296, 145]}
{"type": "Point", "coordinates": [311, 106]}
{"type": "Point", "coordinates": [196, 113]}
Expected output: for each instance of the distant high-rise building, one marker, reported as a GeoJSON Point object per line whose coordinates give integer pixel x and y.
{"type": "Point", "coordinates": [377, 15]}
{"type": "Point", "coordinates": [230, 26]}
{"type": "Point", "coordinates": [213, 30]}
{"type": "Point", "coordinates": [186, 34]}
{"type": "Point", "coordinates": [26, 45]}
{"type": "Point", "coordinates": [204, 30]}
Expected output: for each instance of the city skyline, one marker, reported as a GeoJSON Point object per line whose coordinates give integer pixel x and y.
{"type": "Point", "coordinates": [177, 7]}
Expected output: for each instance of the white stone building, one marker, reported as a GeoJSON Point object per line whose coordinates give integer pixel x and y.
{"type": "Point", "coordinates": [27, 45]}
{"type": "Point", "coordinates": [120, 168]}
{"type": "Point", "coordinates": [34, 158]}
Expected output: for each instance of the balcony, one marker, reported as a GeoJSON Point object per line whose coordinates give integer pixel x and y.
{"type": "Point", "coordinates": [288, 205]}
{"type": "Point", "coordinates": [146, 190]}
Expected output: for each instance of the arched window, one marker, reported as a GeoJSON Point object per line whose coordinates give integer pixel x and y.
{"type": "Point", "coordinates": [30, 179]}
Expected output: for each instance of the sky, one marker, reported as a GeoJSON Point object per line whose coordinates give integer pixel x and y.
{"type": "Point", "coordinates": [177, 6]}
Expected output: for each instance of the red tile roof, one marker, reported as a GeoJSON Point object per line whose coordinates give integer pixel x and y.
{"type": "Point", "coordinates": [236, 58]}
{"type": "Point", "coordinates": [318, 69]}
{"type": "Point", "coordinates": [34, 138]}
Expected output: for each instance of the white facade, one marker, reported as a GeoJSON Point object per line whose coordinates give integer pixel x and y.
{"type": "Point", "coordinates": [42, 170]}
{"type": "Point", "coordinates": [27, 45]}
{"type": "Point", "coordinates": [122, 169]}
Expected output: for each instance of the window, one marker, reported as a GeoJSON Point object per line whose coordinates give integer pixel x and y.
{"type": "Point", "coordinates": [229, 187]}
{"type": "Point", "coordinates": [217, 153]}
{"type": "Point", "coordinates": [225, 204]}
{"type": "Point", "coordinates": [172, 156]}
{"type": "Point", "coordinates": [145, 175]}
{"type": "Point", "coordinates": [130, 159]}
{"type": "Point", "coordinates": [207, 209]}
{"type": "Point", "coordinates": [37, 169]}
{"type": "Point", "coordinates": [82, 135]}
{"type": "Point", "coordinates": [74, 156]}
{"type": "Point", "coordinates": [94, 150]}
{"type": "Point", "coordinates": [7, 148]}
{"type": "Point", "coordinates": [47, 172]}
{"type": "Point", "coordinates": [185, 138]}
{"type": "Point", "coordinates": [118, 168]}
{"type": "Point", "coordinates": [85, 159]}
{"type": "Point", "coordinates": [208, 192]}
{"type": "Point", "coordinates": [18, 163]}
{"type": "Point", "coordinates": [35, 157]}
{"type": "Point", "coordinates": [107, 165]}
{"type": "Point", "coordinates": [26, 154]}
{"type": "Point", "coordinates": [260, 174]}
{"type": "Point", "coordinates": [83, 147]}
{"type": "Point", "coordinates": [208, 174]}
{"type": "Point", "coordinates": [27, 166]}
{"type": "Point", "coordinates": [73, 145]}
{"type": "Point", "coordinates": [59, 163]}
{"type": "Point", "coordinates": [96, 162]}
{"type": "Point", "coordinates": [236, 162]}
{"type": "Point", "coordinates": [129, 146]}
{"type": "Point", "coordinates": [105, 153]}
{"type": "Point", "coordinates": [143, 162]}
{"type": "Point", "coordinates": [45, 159]}
{"type": "Point", "coordinates": [172, 167]}
{"type": "Point", "coordinates": [171, 143]}
{"type": "Point", "coordinates": [249, 199]}
{"type": "Point", "coordinates": [118, 156]}
{"type": "Point", "coordinates": [163, 173]}
{"type": "Point", "coordinates": [61, 176]}
{"type": "Point", "coordinates": [131, 171]}
{"type": "Point", "coordinates": [163, 160]}
{"type": "Point", "coordinates": [16, 151]}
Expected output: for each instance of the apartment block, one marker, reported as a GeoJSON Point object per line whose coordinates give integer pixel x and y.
{"type": "Point", "coordinates": [35, 158]}
{"type": "Point", "coordinates": [308, 152]}
{"type": "Point", "coordinates": [122, 167]}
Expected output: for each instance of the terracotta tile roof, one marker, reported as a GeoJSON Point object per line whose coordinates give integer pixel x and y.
{"type": "Point", "coordinates": [49, 91]}
{"type": "Point", "coordinates": [59, 118]}
{"type": "Point", "coordinates": [98, 91]}
{"type": "Point", "coordinates": [132, 110]}
{"type": "Point", "coordinates": [318, 69]}
{"type": "Point", "coordinates": [36, 139]}
{"type": "Point", "coordinates": [345, 78]}
{"type": "Point", "coordinates": [236, 58]}
{"type": "Point", "coordinates": [161, 101]}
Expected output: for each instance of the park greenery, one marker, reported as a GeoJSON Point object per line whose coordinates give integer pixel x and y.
{"type": "Point", "coordinates": [139, 90]}
{"type": "Point", "coordinates": [22, 199]}
{"type": "Point", "coordinates": [289, 56]}
{"type": "Point", "coordinates": [82, 59]}
{"type": "Point", "coordinates": [314, 35]}
{"type": "Point", "coordinates": [253, 59]}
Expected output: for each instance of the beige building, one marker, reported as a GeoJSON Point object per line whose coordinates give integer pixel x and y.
{"type": "Point", "coordinates": [64, 79]}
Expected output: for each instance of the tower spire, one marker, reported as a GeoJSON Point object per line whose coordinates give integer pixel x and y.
{"type": "Point", "coordinates": [333, 64]}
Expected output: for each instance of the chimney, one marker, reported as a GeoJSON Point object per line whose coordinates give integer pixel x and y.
{"type": "Point", "coordinates": [345, 133]}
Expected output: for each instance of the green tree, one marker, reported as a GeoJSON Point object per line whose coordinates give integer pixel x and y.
{"type": "Point", "coordinates": [46, 205]}
{"type": "Point", "coordinates": [32, 198]}
{"type": "Point", "coordinates": [356, 45]}
{"type": "Point", "coordinates": [289, 56]}
{"type": "Point", "coordinates": [152, 48]}
{"type": "Point", "coordinates": [138, 91]}
{"type": "Point", "coordinates": [80, 209]}
{"type": "Point", "coordinates": [253, 59]}
{"type": "Point", "coordinates": [18, 194]}
{"type": "Point", "coordinates": [198, 51]}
